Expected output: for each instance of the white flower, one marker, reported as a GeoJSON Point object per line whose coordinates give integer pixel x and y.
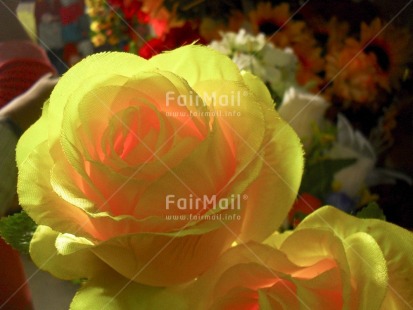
{"type": "Point", "coordinates": [276, 67]}
{"type": "Point", "coordinates": [302, 110]}
{"type": "Point", "coordinates": [352, 144]}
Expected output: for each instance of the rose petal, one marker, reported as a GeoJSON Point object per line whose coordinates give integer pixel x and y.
{"type": "Point", "coordinates": [368, 269]}
{"type": "Point", "coordinates": [31, 138]}
{"type": "Point", "coordinates": [110, 291]}
{"type": "Point", "coordinates": [279, 181]}
{"type": "Point", "coordinates": [73, 266]}
{"type": "Point", "coordinates": [94, 70]}
{"type": "Point", "coordinates": [162, 260]}
{"type": "Point", "coordinates": [197, 64]}
{"type": "Point", "coordinates": [392, 240]}
{"type": "Point", "coordinates": [238, 298]}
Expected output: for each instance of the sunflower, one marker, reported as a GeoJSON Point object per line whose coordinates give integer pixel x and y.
{"type": "Point", "coordinates": [391, 48]}
{"type": "Point", "coordinates": [337, 33]}
{"type": "Point", "coordinates": [277, 25]}
{"type": "Point", "coordinates": [353, 74]}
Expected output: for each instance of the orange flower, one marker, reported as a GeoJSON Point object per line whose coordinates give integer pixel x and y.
{"type": "Point", "coordinates": [353, 74]}
{"type": "Point", "coordinates": [392, 49]}
{"type": "Point", "coordinates": [277, 25]}
{"type": "Point", "coordinates": [310, 65]}
{"type": "Point", "coordinates": [337, 32]}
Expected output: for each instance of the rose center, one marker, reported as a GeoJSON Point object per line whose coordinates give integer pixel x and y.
{"type": "Point", "coordinates": [134, 137]}
{"type": "Point", "coordinates": [382, 56]}
{"type": "Point", "coordinates": [268, 27]}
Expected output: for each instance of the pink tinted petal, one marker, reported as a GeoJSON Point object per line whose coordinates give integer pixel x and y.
{"type": "Point", "coordinates": [162, 260]}
{"type": "Point", "coordinates": [253, 276]}
{"type": "Point", "coordinates": [283, 294]}
{"type": "Point", "coordinates": [238, 298]}
{"type": "Point", "coordinates": [274, 191]}
{"type": "Point", "coordinates": [42, 203]}
{"type": "Point", "coordinates": [316, 269]}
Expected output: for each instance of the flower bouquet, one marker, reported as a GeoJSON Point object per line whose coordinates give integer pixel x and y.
{"type": "Point", "coordinates": [172, 195]}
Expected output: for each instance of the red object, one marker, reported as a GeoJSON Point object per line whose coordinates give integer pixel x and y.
{"type": "Point", "coordinates": [14, 289]}
{"type": "Point", "coordinates": [152, 48]}
{"type": "Point", "coordinates": [43, 7]}
{"type": "Point", "coordinates": [130, 9]}
{"type": "Point", "coordinates": [22, 63]}
{"type": "Point", "coordinates": [15, 80]}
{"type": "Point", "coordinates": [69, 50]}
{"type": "Point", "coordinates": [176, 37]}
{"type": "Point", "coordinates": [71, 13]}
{"type": "Point", "coordinates": [303, 206]}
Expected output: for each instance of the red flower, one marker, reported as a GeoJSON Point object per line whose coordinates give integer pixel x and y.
{"type": "Point", "coordinates": [303, 206]}
{"type": "Point", "coordinates": [176, 37]}
{"type": "Point", "coordinates": [152, 47]}
{"type": "Point", "coordinates": [130, 9]}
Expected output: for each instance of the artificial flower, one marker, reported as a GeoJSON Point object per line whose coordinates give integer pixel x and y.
{"type": "Point", "coordinates": [277, 24]}
{"type": "Point", "coordinates": [303, 111]}
{"type": "Point", "coordinates": [159, 17]}
{"type": "Point", "coordinates": [94, 9]}
{"type": "Point", "coordinates": [276, 67]}
{"type": "Point", "coordinates": [330, 261]}
{"type": "Point", "coordinates": [351, 143]}
{"type": "Point", "coordinates": [152, 47]}
{"type": "Point", "coordinates": [391, 48]}
{"type": "Point", "coordinates": [121, 22]}
{"type": "Point", "coordinates": [130, 8]}
{"type": "Point", "coordinates": [98, 39]}
{"type": "Point", "coordinates": [353, 74]}
{"type": "Point", "coordinates": [310, 65]}
{"type": "Point", "coordinates": [176, 37]}
{"type": "Point", "coordinates": [103, 21]}
{"type": "Point", "coordinates": [114, 170]}
{"type": "Point", "coordinates": [337, 32]}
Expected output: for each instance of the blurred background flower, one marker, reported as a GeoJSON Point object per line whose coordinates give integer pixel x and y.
{"type": "Point", "coordinates": [303, 110]}
{"type": "Point", "coordinates": [275, 66]}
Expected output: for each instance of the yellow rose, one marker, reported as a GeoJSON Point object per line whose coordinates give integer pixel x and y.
{"type": "Point", "coordinates": [331, 261]}
{"type": "Point", "coordinates": [130, 156]}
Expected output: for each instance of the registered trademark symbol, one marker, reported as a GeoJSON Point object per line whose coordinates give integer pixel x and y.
{"type": "Point", "coordinates": [245, 196]}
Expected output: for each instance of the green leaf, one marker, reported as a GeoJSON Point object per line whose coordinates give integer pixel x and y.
{"type": "Point", "coordinates": [371, 211]}
{"type": "Point", "coordinates": [321, 142]}
{"type": "Point", "coordinates": [17, 230]}
{"type": "Point", "coordinates": [319, 176]}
